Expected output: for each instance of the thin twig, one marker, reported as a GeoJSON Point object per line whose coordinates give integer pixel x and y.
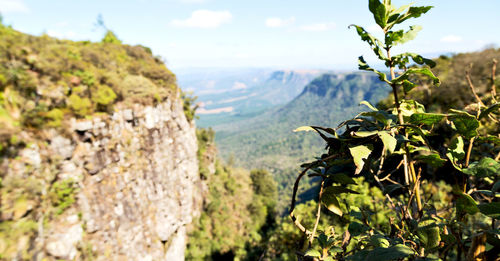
{"type": "Point", "coordinates": [493, 87]}
{"type": "Point", "coordinates": [318, 214]}
{"type": "Point", "coordinates": [471, 85]}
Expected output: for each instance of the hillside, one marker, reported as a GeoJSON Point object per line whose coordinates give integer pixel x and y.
{"type": "Point", "coordinates": [229, 96]}
{"type": "Point", "coordinates": [267, 141]}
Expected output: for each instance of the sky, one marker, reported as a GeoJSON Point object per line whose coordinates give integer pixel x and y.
{"type": "Point", "coordinates": [285, 34]}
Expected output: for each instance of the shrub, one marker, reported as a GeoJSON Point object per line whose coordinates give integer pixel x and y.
{"type": "Point", "coordinates": [391, 148]}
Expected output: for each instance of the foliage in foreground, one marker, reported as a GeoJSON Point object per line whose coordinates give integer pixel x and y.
{"type": "Point", "coordinates": [399, 150]}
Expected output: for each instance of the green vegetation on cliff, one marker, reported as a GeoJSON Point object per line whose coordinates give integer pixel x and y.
{"type": "Point", "coordinates": [44, 80]}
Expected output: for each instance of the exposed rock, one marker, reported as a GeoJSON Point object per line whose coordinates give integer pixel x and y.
{"type": "Point", "coordinates": [82, 125]}
{"type": "Point", "coordinates": [138, 185]}
{"type": "Point", "coordinates": [128, 115]}
{"type": "Point", "coordinates": [31, 156]}
{"type": "Point", "coordinates": [62, 242]}
{"type": "Point", "coordinates": [62, 146]}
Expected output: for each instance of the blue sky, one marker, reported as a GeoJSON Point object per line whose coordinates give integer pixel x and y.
{"type": "Point", "coordinates": [259, 33]}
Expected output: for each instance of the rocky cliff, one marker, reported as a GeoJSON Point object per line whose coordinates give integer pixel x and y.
{"type": "Point", "coordinates": [98, 152]}
{"type": "Point", "coordinates": [125, 186]}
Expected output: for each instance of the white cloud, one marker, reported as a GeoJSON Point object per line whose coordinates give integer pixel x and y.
{"type": "Point", "coordinates": [275, 22]}
{"type": "Point", "coordinates": [13, 6]}
{"type": "Point", "coordinates": [204, 19]}
{"type": "Point", "coordinates": [451, 39]}
{"type": "Point", "coordinates": [318, 27]}
{"type": "Point", "coordinates": [239, 85]}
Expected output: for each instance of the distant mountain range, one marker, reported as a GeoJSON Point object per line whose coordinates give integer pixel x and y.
{"type": "Point", "coordinates": [230, 96]}
{"type": "Point", "coordinates": [268, 141]}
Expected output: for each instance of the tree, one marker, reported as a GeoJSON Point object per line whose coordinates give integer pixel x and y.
{"type": "Point", "coordinates": [393, 150]}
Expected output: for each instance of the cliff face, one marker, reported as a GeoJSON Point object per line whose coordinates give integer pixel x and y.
{"type": "Point", "coordinates": [116, 187]}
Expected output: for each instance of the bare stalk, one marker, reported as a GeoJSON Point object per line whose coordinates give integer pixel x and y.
{"type": "Point", "coordinates": [471, 85]}
{"type": "Point", "coordinates": [318, 214]}
{"type": "Point", "coordinates": [408, 165]}
{"type": "Point", "coordinates": [493, 87]}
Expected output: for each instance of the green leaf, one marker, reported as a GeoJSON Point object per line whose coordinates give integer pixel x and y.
{"type": "Point", "coordinates": [456, 151]}
{"type": "Point", "coordinates": [364, 134]}
{"type": "Point", "coordinates": [369, 105]}
{"type": "Point", "coordinates": [331, 202]}
{"type": "Point", "coordinates": [342, 179]}
{"type": "Point", "coordinates": [359, 154]}
{"type": "Point", "coordinates": [379, 241]}
{"type": "Point", "coordinates": [486, 167]}
{"type": "Point", "coordinates": [426, 118]}
{"type": "Point", "coordinates": [492, 108]}
{"type": "Point", "coordinates": [379, 12]}
{"type": "Point", "coordinates": [408, 86]}
{"type": "Point", "coordinates": [389, 141]}
{"type": "Point", "coordinates": [304, 128]}
{"type": "Point", "coordinates": [401, 60]}
{"type": "Point", "coordinates": [313, 253]}
{"type": "Point", "coordinates": [413, 12]}
{"type": "Point", "coordinates": [424, 71]}
{"type": "Point", "coordinates": [338, 190]}
{"type": "Point", "coordinates": [496, 186]}
{"type": "Point", "coordinates": [465, 123]}
{"type": "Point", "coordinates": [428, 233]}
{"type": "Point", "coordinates": [362, 65]}
{"type": "Point", "coordinates": [375, 44]}
{"type": "Point", "coordinates": [490, 138]}
{"type": "Point", "coordinates": [467, 204]}
{"type": "Point", "coordinates": [433, 159]}
{"type": "Point", "coordinates": [400, 36]}
{"type": "Point", "coordinates": [383, 254]}
{"type": "Point", "coordinates": [357, 228]}
{"type": "Point", "coordinates": [409, 107]}
{"type": "Point", "coordinates": [491, 210]}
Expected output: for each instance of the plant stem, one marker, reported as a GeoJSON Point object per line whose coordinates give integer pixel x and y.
{"type": "Point", "coordinates": [408, 165]}
{"type": "Point", "coordinates": [467, 159]}
{"type": "Point", "coordinates": [318, 214]}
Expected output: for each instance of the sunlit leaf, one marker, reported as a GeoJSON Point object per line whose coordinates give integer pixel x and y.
{"type": "Point", "coordinates": [389, 141]}
{"type": "Point", "coordinates": [428, 233]}
{"type": "Point", "coordinates": [375, 44]}
{"type": "Point", "coordinates": [369, 105]}
{"type": "Point", "coordinates": [400, 36]}
{"type": "Point", "coordinates": [456, 151]}
{"type": "Point", "coordinates": [313, 253]}
{"type": "Point", "coordinates": [424, 71]}
{"type": "Point", "coordinates": [359, 154]}
{"type": "Point", "coordinates": [486, 167]}
{"type": "Point", "coordinates": [465, 123]}
{"type": "Point", "coordinates": [465, 203]}
{"type": "Point", "coordinates": [433, 159]}
{"type": "Point", "coordinates": [426, 118]}
{"type": "Point", "coordinates": [382, 254]}
{"type": "Point", "coordinates": [331, 202]}
{"type": "Point", "coordinates": [304, 128]}
{"type": "Point", "coordinates": [379, 12]}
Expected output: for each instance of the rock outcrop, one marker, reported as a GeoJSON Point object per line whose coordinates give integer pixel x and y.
{"type": "Point", "coordinates": [121, 186]}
